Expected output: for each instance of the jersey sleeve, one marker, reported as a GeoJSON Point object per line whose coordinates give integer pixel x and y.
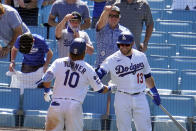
{"type": "Point", "coordinates": [53, 67]}
{"type": "Point", "coordinates": [147, 69]}
{"type": "Point", "coordinates": [94, 80]}
{"type": "Point", "coordinates": [14, 19]}
{"type": "Point", "coordinates": [106, 64]}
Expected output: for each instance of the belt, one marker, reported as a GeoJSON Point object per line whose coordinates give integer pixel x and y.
{"type": "Point", "coordinates": [137, 93]}
{"type": "Point", "coordinates": [67, 99]}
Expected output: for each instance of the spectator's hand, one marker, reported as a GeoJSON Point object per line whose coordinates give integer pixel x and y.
{"type": "Point", "coordinates": [21, 3]}
{"type": "Point", "coordinates": [108, 8]}
{"type": "Point", "coordinates": [11, 67]}
{"type": "Point", "coordinates": [68, 17]}
{"type": "Point", "coordinates": [143, 47]}
{"type": "Point", "coordinates": [76, 34]}
{"type": "Point", "coordinates": [4, 52]}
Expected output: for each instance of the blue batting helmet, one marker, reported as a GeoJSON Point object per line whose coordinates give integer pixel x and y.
{"type": "Point", "coordinates": [78, 46]}
{"type": "Point", "coordinates": [125, 38]}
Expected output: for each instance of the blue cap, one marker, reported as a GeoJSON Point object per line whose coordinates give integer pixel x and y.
{"type": "Point", "coordinates": [125, 38]}
{"type": "Point", "coordinates": [78, 46]}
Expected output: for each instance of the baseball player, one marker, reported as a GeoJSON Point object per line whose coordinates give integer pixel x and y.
{"type": "Point", "coordinates": [73, 77]}
{"type": "Point", "coordinates": [130, 72]}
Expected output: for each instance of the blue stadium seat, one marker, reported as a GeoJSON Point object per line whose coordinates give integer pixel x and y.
{"type": "Point", "coordinates": [166, 80]}
{"type": "Point", "coordinates": [91, 59]}
{"type": "Point", "coordinates": [9, 105]}
{"type": "Point", "coordinates": [177, 106]}
{"type": "Point", "coordinates": [187, 50]}
{"type": "Point", "coordinates": [157, 4]}
{"type": "Point", "coordinates": [187, 85]}
{"type": "Point", "coordinates": [182, 38]}
{"type": "Point", "coordinates": [4, 79]}
{"type": "Point", "coordinates": [182, 62]}
{"type": "Point", "coordinates": [156, 37]}
{"type": "Point", "coordinates": [52, 33]}
{"type": "Point", "coordinates": [94, 107]}
{"type": "Point", "coordinates": [53, 46]}
{"type": "Point", "coordinates": [173, 26]}
{"type": "Point", "coordinates": [156, 14]}
{"type": "Point", "coordinates": [181, 15]}
{"type": "Point", "coordinates": [161, 49]}
{"type": "Point", "coordinates": [45, 11]}
{"type": "Point", "coordinates": [35, 108]}
{"type": "Point", "coordinates": [40, 30]}
{"type": "Point", "coordinates": [158, 61]}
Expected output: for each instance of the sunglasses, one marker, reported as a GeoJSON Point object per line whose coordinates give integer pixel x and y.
{"type": "Point", "coordinates": [127, 45]}
{"type": "Point", "coordinates": [113, 16]}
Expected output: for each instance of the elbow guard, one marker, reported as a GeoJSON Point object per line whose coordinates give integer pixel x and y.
{"type": "Point", "coordinates": [100, 72]}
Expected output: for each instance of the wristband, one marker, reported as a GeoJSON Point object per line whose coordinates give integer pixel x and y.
{"type": "Point", "coordinates": [154, 90]}
{"type": "Point", "coordinates": [46, 90]}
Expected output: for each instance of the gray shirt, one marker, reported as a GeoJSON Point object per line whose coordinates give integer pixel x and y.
{"type": "Point", "coordinates": [66, 39]}
{"type": "Point", "coordinates": [61, 8]}
{"type": "Point", "coordinates": [134, 15]}
{"type": "Point", "coordinates": [9, 21]}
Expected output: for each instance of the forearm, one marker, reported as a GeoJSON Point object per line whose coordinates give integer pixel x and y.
{"type": "Point", "coordinates": [103, 19]}
{"type": "Point", "coordinates": [48, 57]}
{"type": "Point", "coordinates": [13, 54]}
{"type": "Point", "coordinates": [149, 30]}
{"type": "Point", "coordinates": [51, 21]}
{"type": "Point", "coordinates": [150, 82]}
{"type": "Point", "coordinates": [89, 49]}
{"type": "Point", "coordinates": [59, 28]}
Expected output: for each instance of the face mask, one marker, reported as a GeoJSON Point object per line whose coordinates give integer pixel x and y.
{"type": "Point", "coordinates": [74, 29]}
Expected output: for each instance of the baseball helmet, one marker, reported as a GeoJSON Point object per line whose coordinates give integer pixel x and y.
{"type": "Point", "coordinates": [78, 46]}
{"type": "Point", "coordinates": [125, 38]}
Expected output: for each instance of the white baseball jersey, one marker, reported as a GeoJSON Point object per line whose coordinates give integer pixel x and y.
{"type": "Point", "coordinates": [66, 39]}
{"type": "Point", "coordinates": [73, 84]}
{"type": "Point", "coordinates": [128, 73]}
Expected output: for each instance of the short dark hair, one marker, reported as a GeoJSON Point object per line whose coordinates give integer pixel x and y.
{"type": "Point", "coordinates": [26, 43]}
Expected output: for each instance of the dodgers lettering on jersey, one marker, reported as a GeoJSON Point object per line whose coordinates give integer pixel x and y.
{"type": "Point", "coordinates": [73, 82]}
{"type": "Point", "coordinates": [125, 70]}
{"type": "Point", "coordinates": [127, 73]}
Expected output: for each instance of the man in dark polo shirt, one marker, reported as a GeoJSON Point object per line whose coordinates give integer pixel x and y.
{"type": "Point", "coordinates": [134, 13]}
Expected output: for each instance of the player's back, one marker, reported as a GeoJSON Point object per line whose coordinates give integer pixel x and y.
{"type": "Point", "coordinates": [71, 83]}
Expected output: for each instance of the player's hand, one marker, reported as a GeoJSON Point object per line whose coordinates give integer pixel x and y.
{"type": "Point", "coordinates": [108, 8]}
{"type": "Point", "coordinates": [47, 94]}
{"type": "Point", "coordinates": [113, 88]}
{"type": "Point", "coordinates": [156, 97]}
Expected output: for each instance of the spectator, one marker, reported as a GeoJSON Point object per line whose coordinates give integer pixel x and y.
{"type": "Point", "coordinates": [11, 26]}
{"type": "Point", "coordinates": [184, 5]}
{"type": "Point", "coordinates": [28, 10]}
{"type": "Point", "coordinates": [66, 36]}
{"type": "Point", "coordinates": [107, 31]}
{"type": "Point", "coordinates": [63, 7]}
{"type": "Point", "coordinates": [97, 10]}
{"type": "Point", "coordinates": [33, 47]}
{"type": "Point", "coordinates": [133, 15]}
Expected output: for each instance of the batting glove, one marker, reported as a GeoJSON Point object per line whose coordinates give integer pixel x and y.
{"type": "Point", "coordinates": [47, 94]}
{"type": "Point", "coordinates": [113, 88]}
{"type": "Point", "coordinates": [156, 96]}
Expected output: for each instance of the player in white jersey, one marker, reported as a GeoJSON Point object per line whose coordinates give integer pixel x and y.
{"type": "Point", "coordinates": [72, 79]}
{"type": "Point", "coordinates": [130, 72]}
{"type": "Point", "coordinates": [66, 35]}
